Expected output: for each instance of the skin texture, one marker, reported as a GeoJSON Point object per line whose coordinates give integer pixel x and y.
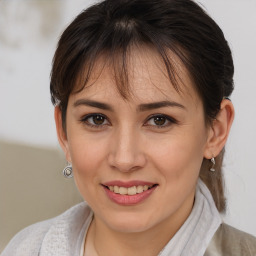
{"type": "Point", "coordinates": [130, 145]}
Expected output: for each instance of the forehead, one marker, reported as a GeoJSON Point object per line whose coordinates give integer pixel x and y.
{"type": "Point", "coordinates": [147, 74]}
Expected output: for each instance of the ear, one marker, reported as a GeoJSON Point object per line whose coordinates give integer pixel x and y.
{"type": "Point", "coordinates": [61, 133]}
{"type": "Point", "coordinates": [219, 129]}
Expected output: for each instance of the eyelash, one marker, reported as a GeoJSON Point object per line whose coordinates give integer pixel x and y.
{"type": "Point", "coordinates": [168, 119]}
{"type": "Point", "coordinates": [87, 117]}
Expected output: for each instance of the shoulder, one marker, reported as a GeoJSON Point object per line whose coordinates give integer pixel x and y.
{"type": "Point", "coordinates": [29, 241]}
{"type": "Point", "coordinates": [231, 241]}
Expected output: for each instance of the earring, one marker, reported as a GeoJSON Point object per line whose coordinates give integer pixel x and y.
{"type": "Point", "coordinates": [67, 171]}
{"type": "Point", "coordinates": [212, 169]}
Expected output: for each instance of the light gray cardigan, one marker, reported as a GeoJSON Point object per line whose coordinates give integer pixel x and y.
{"type": "Point", "coordinates": [57, 236]}
{"type": "Point", "coordinates": [201, 234]}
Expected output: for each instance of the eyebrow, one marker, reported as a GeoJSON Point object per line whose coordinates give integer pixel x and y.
{"type": "Point", "coordinates": [94, 104]}
{"type": "Point", "coordinates": [141, 107]}
{"type": "Point", "coordinates": [160, 104]}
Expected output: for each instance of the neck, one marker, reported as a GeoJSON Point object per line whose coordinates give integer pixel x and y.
{"type": "Point", "coordinates": [101, 240]}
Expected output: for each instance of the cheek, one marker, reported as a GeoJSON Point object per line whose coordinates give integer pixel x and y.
{"type": "Point", "coordinates": [179, 155]}
{"type": "Point", "coordinates": [87, 155]}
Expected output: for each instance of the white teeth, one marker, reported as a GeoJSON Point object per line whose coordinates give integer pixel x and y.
{"type": "Point", "coordinates": [116, 189]}
{"type": "Point", "coordinates": [145, 187]}
{"type": "Point", "coordinates": [129, 191]}
{"type": "Point", "coordinates": [139, 189]}
{"type": "Point", "coordinates": [123, 191]}
{"type": "Point", "coordinates": [132, 191]}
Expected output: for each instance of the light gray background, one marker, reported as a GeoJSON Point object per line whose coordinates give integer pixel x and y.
{"type": "Point", "coordinates": [29, 30]}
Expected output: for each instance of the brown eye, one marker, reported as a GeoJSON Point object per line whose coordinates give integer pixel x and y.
{"type": "Point", "coordinates": [95, 120]}
{"type": "Point", "coordinates": [98, 120]}
{"type": "Point", "coordinates": [159, 120]}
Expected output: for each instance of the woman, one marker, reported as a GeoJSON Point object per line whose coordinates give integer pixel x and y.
{"type": "Point", "coordinates": [142, 114]}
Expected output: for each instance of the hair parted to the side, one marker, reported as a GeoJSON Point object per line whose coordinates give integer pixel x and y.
{"type": "Point", "coordinates": [111, 28]}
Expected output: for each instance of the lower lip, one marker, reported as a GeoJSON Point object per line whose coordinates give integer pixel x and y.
{"type": "Point", "coordinates": [127, 199]}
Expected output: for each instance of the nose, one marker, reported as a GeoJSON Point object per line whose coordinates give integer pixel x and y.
{"type": "Point", "coordinates": [126, 153]}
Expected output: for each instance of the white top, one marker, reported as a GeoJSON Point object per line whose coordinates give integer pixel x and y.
{"type": "Point", "coordinates": [65, 234]}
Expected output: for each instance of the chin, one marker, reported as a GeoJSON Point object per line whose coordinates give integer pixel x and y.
{"type": "Point", "coordinates": [129, 223]}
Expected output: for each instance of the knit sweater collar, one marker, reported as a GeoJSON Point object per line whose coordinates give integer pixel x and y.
{"type": "Point", "coordinates": [196, 233]}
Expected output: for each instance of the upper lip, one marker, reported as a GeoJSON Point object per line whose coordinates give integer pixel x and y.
{"type": "Point", "coordinates": [127, 184]}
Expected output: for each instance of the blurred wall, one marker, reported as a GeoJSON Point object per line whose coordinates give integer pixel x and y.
{"type": "Point", "coordinates": [29, 30]}
{"type": "Point", "coordinates": [32, 187]}
{"type": "Point", "coordinates": [238, 22]}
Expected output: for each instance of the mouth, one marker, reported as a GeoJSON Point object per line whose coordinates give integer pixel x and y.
{"type": "Point", "coordinates": [133, 190]}
{"type": "Point", "coordinates": [130, 192]}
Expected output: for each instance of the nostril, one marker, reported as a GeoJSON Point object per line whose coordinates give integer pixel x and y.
{"type": "Point", "coordinates": [127, 162]}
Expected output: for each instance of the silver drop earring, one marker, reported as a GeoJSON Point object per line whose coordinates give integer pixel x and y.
{"type": "Point", "coordinates": [67, 171]}
{"type": "Point", "coordinates": [212, 169]}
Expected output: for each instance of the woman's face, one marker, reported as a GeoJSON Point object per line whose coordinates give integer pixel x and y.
{"type": "Point", "coordinates": [149, 148]}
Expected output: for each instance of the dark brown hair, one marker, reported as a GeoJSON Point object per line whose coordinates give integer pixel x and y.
{"type": "Point", "coordinates": [112, 27]}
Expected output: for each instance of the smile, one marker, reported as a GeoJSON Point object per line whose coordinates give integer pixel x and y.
{"type": "Point", "coordinates": [129, 193]}
{"type": "Point", "coordinates": [130, 190]}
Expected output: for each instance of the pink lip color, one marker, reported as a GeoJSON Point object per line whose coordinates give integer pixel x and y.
{"type": "Point", "coordinates": [127, 200]}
